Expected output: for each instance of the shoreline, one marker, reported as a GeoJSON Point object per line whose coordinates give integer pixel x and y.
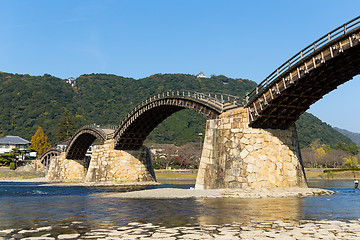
{"type": "Point", "coordinates": [159, 181]}
{"type": "Point", "coordinates": [301, 229]}
{"type": "Point", "coordinates": [176, 193]}
{"type": "Point", "coordinates": [7, 175]}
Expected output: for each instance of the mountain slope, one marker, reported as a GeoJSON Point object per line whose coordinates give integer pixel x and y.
{"type": "Point", "coordinates": [355, 137]}
{"type": "Point", "coordinates": [311, 128]}
{"type": "Point", "coordinates": [29, 101]}
{"type": "Point", "coordinates": [32, 101]}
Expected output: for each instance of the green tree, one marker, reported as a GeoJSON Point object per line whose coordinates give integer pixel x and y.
{"type": "Point", "coordinates": [40, 142]}
{"type": "Point", "coordinates": [350, 148]}
{"type": "Point", "coordinates": [7, 158]}
{"type": "Point", "coordinates": [350, 162]}
{"type": "Point", "coordinates": [66, 126]}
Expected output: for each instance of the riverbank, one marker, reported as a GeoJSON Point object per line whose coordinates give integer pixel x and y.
{"type": "Point", "coordinates": [164, 176]}
{"type": "Point", "coordinates": [254, 230]}
{"type": "Point", "coordinates": [311, 173]}
{"type": "Point", "coordinates": [176, 175]}
{"type": "Point", "coordinates": [21, 174]}
{"type": "Point", "coordinates": [319, 173]}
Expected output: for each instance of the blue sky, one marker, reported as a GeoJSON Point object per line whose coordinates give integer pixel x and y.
{"type": "Point", "coordinates": [239, 39]}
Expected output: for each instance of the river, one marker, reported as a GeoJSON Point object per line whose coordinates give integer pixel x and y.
{"type": "Point", "coordinates": [29, 205]}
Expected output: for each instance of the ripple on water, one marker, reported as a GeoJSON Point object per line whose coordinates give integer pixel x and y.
{"type": "Point", "coordinates": [27, 205]}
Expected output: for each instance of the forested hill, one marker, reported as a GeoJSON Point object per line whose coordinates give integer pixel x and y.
{"type": "Point", "coordinates": [112, 97]}
{"type": "Point", "coordinates": [355, 137]}
{"type": "Point", "coordinates": [31, 101]}
{"type": "Point", "coordinates": [310, 128]}
{"type": "Point", "coordinates": [28, 102]}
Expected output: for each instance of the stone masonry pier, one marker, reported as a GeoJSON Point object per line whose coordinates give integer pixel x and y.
{"type": "Point", "coordinates": [110, 165]}
{"type": "Point", "coordinates": [106, 165]}
{"type": "Point", "coordinates": [237, 156]}
{"type": "Point", "coordinates": [67, 170]}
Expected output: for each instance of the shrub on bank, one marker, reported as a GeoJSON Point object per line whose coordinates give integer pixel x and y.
{"type": "Point", "coordinates": [12, 166]}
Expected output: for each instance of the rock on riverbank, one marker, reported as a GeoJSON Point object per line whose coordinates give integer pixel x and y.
{"type": "Point", "coordinates": [253, 230]}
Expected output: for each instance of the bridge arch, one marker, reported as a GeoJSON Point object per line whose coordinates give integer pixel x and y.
{"type": "Point", "coordinates": [138, 124]}
{"type": "Point", "coordinates": [82, 140]}
{"type": "Point", "coordinates": [279, 100]}
{"type": "Point", "coordinates": [46, 157]}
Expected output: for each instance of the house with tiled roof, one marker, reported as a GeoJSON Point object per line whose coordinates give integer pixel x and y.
{"type": "Point", "coordinates": [7, 143]}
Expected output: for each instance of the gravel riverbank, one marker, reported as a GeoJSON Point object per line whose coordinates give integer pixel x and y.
{"type": "Point", "coordinates": [252, 230]}
{"type": "Point", "coordinates": [23, 174]}
{"type": "Point", "coordinates": [223, 193]}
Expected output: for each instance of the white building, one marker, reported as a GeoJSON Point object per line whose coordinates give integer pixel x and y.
{"type": "Point", "coordinates": [71, 81]}
{"type": "Point", "coordinates": [201, 75]}
{"type": "Point", "coordinates": [10, 142]}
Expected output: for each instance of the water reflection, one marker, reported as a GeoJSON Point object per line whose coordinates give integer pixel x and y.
{"type": "Point", "coordinates": [244, 210]}
{"type": "Point", "coordinates": [79, 208]}
{"type": "Point", "coordinates": [97, 212]}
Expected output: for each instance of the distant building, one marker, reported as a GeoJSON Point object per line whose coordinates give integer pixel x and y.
{"type": "Point", "coordinates": [71, 81]}
{"type": "Point", "coordinates": [63, 144]}
{"type": "Point", "coordinates": [201, 75]}
{"type": "Point", "coordinates": [164, 150]}
{"type": "Point", "coordinates": [10, 142]}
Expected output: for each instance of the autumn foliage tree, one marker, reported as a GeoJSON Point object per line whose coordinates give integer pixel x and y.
{"type": "Point", "coordinates": [40, 142]}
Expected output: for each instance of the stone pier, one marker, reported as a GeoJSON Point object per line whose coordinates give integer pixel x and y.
{"type": "Point", "coordinates": [110, 165]}
{"type": "Point", "coordinates": [237, 156]}
{"type": "Point", "coordinates": [66, 170]}
{"type": "Point", "coordinates": [106, 165]}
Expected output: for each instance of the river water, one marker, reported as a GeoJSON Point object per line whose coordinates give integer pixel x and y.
{"type": "Point", "coordinates": [29, 205]}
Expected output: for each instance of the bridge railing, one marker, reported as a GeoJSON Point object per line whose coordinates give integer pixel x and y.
{"type": "Point", "coordinates": [112, 127]}
{"type": "Point", "coordinates": [96, 128]}
{"type": "Point", "coordinates": [216, 100]}
{"type": "Point", "coordinates": [327, 38]}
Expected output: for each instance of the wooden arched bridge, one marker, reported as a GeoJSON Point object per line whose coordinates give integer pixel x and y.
{"type": "Point", "coordinates": [240, 148]}
{"type": "Point", "coordinates": [84, 137]}
{"type": "Point", "coordinates": [45, 158]}
{"type": "Point", "coordinates": [138, 124]}
{"type": "Point", "coordinates": [279, 100]}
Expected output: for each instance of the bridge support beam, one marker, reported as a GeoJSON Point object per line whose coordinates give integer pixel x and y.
{"type": "Point", "coordinates": [67, 170]}
{"type": "Point", "coordinates": [110, 165]}
{"type": "Point", "coordinates": [237, 156]}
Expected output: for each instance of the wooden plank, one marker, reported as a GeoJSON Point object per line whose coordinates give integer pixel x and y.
{"type": "Point", "coordinates": [288, 106]}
